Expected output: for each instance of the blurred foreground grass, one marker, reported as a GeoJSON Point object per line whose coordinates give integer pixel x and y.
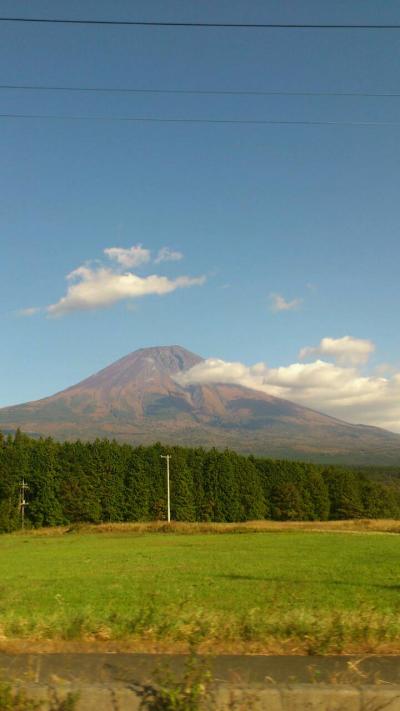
{"type": "Point", "coordinates": [292, 591]}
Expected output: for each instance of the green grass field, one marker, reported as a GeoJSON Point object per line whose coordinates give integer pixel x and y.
{"type": "Point", "coordinates": [290, 591]}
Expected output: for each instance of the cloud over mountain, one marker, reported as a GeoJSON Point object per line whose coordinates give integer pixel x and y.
{"type": "Point", "coordinates": [339, 389]}
{"type": "Point", "coordinates": [345, 350]}
{"type": "Point", "coordinates": [149, 395]}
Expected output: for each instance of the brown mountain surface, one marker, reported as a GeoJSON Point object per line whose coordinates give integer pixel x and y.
{"type": "Point", "coordinates": [137, 400]}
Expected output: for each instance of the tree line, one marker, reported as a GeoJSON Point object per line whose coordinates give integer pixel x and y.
{"type": "Point", "coordinates": [104, 481]}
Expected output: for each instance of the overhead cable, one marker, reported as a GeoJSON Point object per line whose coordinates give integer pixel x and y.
{"type": "Point", "coordinates": [201, 92]}
{"type": "Point", "coordinates": [154, 119]}
{"type": "Point", "coordinates": [228, 25]}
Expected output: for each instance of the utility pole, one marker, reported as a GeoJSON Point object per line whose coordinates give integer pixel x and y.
{"type": "Point", "coordinates": [22, 502]}
{"type": "Point", "coordinates": [168, 457]}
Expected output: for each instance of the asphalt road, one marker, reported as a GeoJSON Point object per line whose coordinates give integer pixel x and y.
{"type": "Point", "coordinates": [127, 669]}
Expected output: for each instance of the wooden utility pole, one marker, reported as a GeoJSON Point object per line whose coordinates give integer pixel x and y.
{"type": "Point", "coordinates": [22, 501]}
{"type": "Point", "coordinates": [168, 457]}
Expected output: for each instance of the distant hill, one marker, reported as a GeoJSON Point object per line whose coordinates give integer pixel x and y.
{"type": "Point", "coordinates": [137, 400]}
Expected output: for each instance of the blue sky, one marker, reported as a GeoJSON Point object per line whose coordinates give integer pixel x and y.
{"type": "Point", "coordinates": [307, 213]}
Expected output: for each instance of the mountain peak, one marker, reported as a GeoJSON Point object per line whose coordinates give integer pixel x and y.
{"type": "Point", "coordinates": [169, 359]}
{"type": "Point", "coordinates": [138, 399]}
{"type": "Point", "coordinates": [141, 366]}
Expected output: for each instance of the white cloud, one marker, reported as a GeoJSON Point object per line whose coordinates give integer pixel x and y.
{"type": "Point", "coordinates": [30, 311]}
{"type": "Point", "coordinates": [214, 370]}
{"type": "Point", "coordinates": [346, 350]}
{"type": "Point", "coordinates": [311, 287]}
{"type": "Point", "coordinates": [94, 285]}
{"type": "Point", "coordinates": [279, 303]}
{"type": "Point", "coordinates": [131, 257]}
{"type": "Point", "coordinates": [385, 369]}
{"type": "Point", "coordinates": [91, 288]}
{"type": "Point", "coordinates": [165, 254]}
{"type": "Point", "coordinates": [338, 390]}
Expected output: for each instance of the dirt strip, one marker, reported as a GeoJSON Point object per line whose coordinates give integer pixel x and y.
{"type": "Point", "coordinates": [130, 669]}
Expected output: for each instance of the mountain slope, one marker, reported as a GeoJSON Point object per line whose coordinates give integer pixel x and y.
{"type": "Point", "coordinates": [137, 400]}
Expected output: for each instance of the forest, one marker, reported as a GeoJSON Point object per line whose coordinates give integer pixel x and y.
{"type": "Point", "coordinates": [104, 481]}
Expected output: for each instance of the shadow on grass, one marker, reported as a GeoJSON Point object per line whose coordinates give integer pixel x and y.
{"type": "Point", "coordinates": [266, 579]}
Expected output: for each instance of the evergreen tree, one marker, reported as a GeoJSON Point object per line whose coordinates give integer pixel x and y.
{"type": "Point", "coordinates": [182, 494]}
{"type": "Point", "coordinates": [195, 459]}
{"type": "Point", "coordinates": [44, 506]}
{"type": "Point", "coordinates": [137, 487]}
{"type": "Point", "coordinates": [79, 485]}
{"type": "Point", "coordinates": [107, 460]}
{"type": "Point", "coordinates": [287, 503]}
{"type": "Point", "coordinates": [220, 487]}
{"type": "Point", "coordinates": [344, 494]}
{"type": "Point", "coordinates": [9, 486]}
{"type": "Point", "coordinates": [156, 473]}
{"type": "Point", "coordinates": [379, 501]}
{"type": "Point", "coordinates": [106, 481]}
{"type": "Point", "coordinates": [253, 505]}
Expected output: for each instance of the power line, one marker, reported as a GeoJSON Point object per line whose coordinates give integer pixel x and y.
{"type": "Point", "coordinates": [228, 25]}
{"type": "Point", "coordinates": [201, 92]}
{"type": "Point", "coordinates": [153, 119]}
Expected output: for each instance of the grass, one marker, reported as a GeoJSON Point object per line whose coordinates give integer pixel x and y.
{"type": "Point", "coordinates": [359, 525]}
{"type": "Point", "coordinates": [19, 700]}
{"type": "Point", "coordinates": [284, 590]}
{"type": "Point", "coordinates": [191, 691]}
